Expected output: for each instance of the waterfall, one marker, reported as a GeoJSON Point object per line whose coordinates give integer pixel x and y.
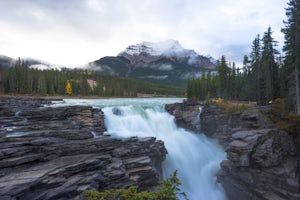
{"type": "Point", "coordinates": [196, 157]}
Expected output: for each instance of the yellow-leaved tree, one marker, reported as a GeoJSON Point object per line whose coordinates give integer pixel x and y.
{"type": "Point", "coordinates": [68, 88]}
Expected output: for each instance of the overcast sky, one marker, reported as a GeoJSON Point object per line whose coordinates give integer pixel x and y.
{"type": "Point", "coordinates": [75, 32]}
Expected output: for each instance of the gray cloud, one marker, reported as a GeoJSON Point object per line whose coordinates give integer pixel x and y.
{"type": "Point", "coordinates": [79, 31]}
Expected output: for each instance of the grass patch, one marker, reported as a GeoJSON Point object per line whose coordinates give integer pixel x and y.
{"type": "Point", "coordinates": [231, 106]}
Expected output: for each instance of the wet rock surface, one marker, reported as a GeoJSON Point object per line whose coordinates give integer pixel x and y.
{"type": "Point", "coordinates": [51, 153]}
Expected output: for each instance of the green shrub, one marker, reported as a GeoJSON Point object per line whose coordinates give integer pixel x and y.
{"type": "Point", "coordinates": [168, 190]}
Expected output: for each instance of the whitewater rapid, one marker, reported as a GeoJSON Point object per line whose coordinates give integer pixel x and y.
{"type": "Point", "coordinates": [196, 157]}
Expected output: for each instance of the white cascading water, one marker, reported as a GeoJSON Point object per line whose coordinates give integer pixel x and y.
{"type": "Point", "coordinates": [196, 157]}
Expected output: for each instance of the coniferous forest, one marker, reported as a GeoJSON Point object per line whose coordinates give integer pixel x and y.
{"type": "Point", "coordinates": [20, 79]}
{"type": "Point", "coordinates": [260, 79]}
{"type": "Point", "coordinates": [266, 74]}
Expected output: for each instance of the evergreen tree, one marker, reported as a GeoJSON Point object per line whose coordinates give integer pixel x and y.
{"type": "Point", "coordinates": [223, 72]}
{"type": "Point", "coordinates": [246, 65]}
{"type": "Point", "coordinates": [255, 57]}
{"type": "Point", "coordinates": [292, 50]}
{"type": "Point", "coordinates": [233, 82]}
{"type": "Point", "coordinates": [42, 86]}
{"type": "Point", "coordinates": [269, 68]}
{"type": "Point", "coordinates": [283, 81]}
{"type": "Point", "coordinates": [247, 81]}
{"type": "Point", "coordinates": [189, 92]}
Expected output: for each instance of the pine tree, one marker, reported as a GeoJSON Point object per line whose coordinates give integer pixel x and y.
{"type": "Point", "coordinates": [255, 56]}
{"type": "Point", "coordinates": [42, 86]}
{"type": "Point", "coordinates": [223, 71]}
{"type": "Point", "coordinates": [233, 82]}
{"type": "Point", "coordinates": [292, 50]}
{"type": "Point", "coordinates": [248, 91]}
{"type": "Point", "coordinates": [246, 65]}
{"type": "Point", "coordinates": [269, 68]}
{"type": "Point", "coordinates": [283, 82]}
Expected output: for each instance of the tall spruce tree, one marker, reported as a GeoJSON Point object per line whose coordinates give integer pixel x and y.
{"type": "Point", "coordinates": [292, 49]}
{"type": "Point", "coordinates": [247, 85]}
{"type": "Point", "coordinates": [223, 73]}
{"type": "Point", "coordinates": [255, 57]}
{"type": "Point", "coordinates": [269, 68]}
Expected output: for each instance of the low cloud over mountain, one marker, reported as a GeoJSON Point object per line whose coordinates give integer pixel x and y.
{"type": "Point", "coordinates": [165, 62]}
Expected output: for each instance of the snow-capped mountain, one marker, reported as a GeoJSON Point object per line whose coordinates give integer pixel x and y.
{"type": "Point", "coordinates": [166, 48]}
{"type": "Point", "coordinates": [148, 51]}
{"type": "Point", "coordinates": [164, 62]}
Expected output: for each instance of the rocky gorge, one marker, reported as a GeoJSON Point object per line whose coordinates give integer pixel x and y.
{"type": "Point", "coordinates": [262, 161]}
{"type": "Point", "coordinates": [58, 152]}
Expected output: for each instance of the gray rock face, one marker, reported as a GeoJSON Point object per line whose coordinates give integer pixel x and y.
{"type": "Point", "coordinates": [259, 148]}
{"type": "Point", "coordinates": [262, 161]}
{"type": "Point", "coordinates": [220, 125]}
{"type": "Point", "coordinates": [187, 115]}
{"type": "Point", "coordinates": [44, 121]}
{"type": "Point", "coordinates": [50, 153]}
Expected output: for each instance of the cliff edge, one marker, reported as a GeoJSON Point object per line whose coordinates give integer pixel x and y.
{"type": "Point", "coordinates": [262, 163]}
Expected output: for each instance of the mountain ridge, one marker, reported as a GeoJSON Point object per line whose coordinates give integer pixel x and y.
{"type": "Point", "coordinates": [166, 63]}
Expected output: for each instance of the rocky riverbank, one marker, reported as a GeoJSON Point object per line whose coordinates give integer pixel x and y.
{"type": "Point", "coordinates": [261, 164]}
{"type": "Point", "coordinates": [56, 153]}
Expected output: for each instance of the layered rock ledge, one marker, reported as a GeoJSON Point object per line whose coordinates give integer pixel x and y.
{"type": "Point", "coordinates": [187, 114]}
{"type": "Point", "coordinates": [52, 153]}
{"type": "Point", "coordinates": [261, 164]}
